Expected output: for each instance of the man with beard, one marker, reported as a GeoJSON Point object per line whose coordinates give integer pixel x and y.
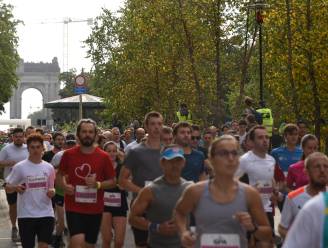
{"type": "Point", "coordinates": [59, 141]}
{"type": "Point", "coordinates": [84, 172]}
{"type": "Point", "coordinates": [318, 179]}
{"type": "Point", "coordinates": [194, 169]}
{"type": "Point", "coordinates": [9, 156]}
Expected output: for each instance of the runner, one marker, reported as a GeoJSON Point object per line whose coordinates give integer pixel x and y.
{"type": "Point", "coordinates": [140, 134]}
{"type": "Point", "coordinates": [166, 136]}
{"type": "Point", "coordinates": [296, 176]}
{"type": "Point", "coordinates": [116, 206]}
{"type": "Point", "coordinates": [142, 165]}
{"type": "Point", "coordinates": [310, 228]}
{"type": "Point", "coordinates": [9, 156]}
{"type": "Point", "coordinates": [224, 208]}
{"type": "Point", "coordinates": [33, 179]}
{"type": "Point", "coordinates": [59, 141]}
{"type": "Point", "coordinates": [296, 199]}
{"type": "Point", "coordinates": [194, 169]}
{"type": "Point", "coordinates": [259, 166]}
{"type": "Point", "coordinates": [84, 172]}
{"type": "Point", "coordinates": [158, 199]}
{"type": "Point", "coordinates": [58, 199]}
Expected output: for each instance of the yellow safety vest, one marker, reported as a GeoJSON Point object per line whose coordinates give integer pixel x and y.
{"type": "Point", "coordinates": [184, 118]}
{"type": "Point", "coordinates": [267, 119]}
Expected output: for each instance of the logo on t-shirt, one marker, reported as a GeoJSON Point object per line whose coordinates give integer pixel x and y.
{"type": "Point", "coordinates": [83, 171]}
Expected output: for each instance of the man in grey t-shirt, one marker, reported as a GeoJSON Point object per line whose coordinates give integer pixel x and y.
{"type": "Point", "coordinates": [142, 165]}
{"type": "Point", "coordinates": [9, 156]}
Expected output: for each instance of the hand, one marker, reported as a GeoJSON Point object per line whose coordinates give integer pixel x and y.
{"type": "Point", "coordinates": [51, 192]}
{"type": "Point", "coordinates": [167, 228]}
{"type": "Point", "coordinates": [20, 188]}
{"type": "Point", "coordinates": [90, 181]}
{"type": "Point", "coordinates": [69, 189]}
{"type": "Point", "coordinates": [188, 239]}
{"type": "Point", "coordinates": [245, 220]}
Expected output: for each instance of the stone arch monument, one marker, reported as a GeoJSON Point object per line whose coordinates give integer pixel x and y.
{"type": "Point", "coordinates": [41, 76]}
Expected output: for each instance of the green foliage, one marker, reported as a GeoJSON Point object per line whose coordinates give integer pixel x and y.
{"type": "Point", "coordinates": [9, 58]}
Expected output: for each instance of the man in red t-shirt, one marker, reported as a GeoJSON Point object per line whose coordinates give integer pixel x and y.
{"type": "Point", "coordinates": [84, 172]}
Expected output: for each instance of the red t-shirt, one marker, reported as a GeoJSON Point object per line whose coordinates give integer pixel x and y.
{"type": "Point", "coordinates": [77, 165]}
{"type": "Point", "coordinates": [278, 174]}
{"type": "Point", "coordinates": [297, 177]}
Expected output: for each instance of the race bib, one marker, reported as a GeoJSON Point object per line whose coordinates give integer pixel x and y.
{"type": "Point", "coordinates": [112, 199]}
{"type": "Point", "coordinates": [83, 194]}
{"type": "Point", "coordinates": [147, 183]}
{"type": "Point", "coordinates": [36, 183]}
{"type": "Point", "coordinates": [265, 189]}
{"type": "Point", "coordinates": [220, 241]}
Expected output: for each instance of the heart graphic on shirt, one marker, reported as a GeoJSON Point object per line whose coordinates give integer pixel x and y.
{"type": "Point", "coordinates": [83, 171]}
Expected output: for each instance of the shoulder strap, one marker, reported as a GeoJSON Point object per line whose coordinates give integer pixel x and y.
{"type": "Point", "coordinates": [325, 227]}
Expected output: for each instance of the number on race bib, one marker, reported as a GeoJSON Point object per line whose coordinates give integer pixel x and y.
{"type": "Point", "coordinates": [112, 199]}
{"type": "Point", "coordinates": [220, 241]}
{"type": "Point", "coordinates": [83, 194]}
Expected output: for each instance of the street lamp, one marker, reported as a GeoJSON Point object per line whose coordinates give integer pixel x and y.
{"type": "Point", "coordinates": [259, 6]}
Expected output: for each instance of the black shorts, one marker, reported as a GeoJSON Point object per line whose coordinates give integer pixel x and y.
{"type": "Point", "coordinates": [87, 224]}
{"type": "Point", "coordinates": [140, 237]}
{"type": "Point", "coordinates": [11, 198]}
{"type": "Point", "coordinates": [58, 200]}
{"type": "Point", "coordinates": [31, 227]}
{"type": "Point", "coordinates": [118, 211]}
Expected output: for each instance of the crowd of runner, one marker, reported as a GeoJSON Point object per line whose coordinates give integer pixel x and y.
{"type": "Point", "coordinates": [176, 186]}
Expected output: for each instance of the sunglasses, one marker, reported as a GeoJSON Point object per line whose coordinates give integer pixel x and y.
{"type": "Point", "coordinates": [195, 137]}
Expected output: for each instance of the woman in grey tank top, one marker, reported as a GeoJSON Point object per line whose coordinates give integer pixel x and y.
{"type": "Point", "coordinates": [224, 209]}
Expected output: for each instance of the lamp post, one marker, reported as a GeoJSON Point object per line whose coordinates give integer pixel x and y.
{"type": "Point", "coordinates": [259, 6]}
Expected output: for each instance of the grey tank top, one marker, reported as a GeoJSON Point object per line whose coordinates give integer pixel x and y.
{"type": "Point", "coordinates": [215, 223]}
{"type": "Point", "coordinates": [165, 197]}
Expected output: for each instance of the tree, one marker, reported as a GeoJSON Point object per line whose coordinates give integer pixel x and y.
{"type": "Point", "coordinates": [9, 58]}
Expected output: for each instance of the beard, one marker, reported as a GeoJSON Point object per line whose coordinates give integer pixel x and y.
{"type": "Point", "coordinates": [87, 141]}
{"type": "Point", "coordinates": [319, 185]}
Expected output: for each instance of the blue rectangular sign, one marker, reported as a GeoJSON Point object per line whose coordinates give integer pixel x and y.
{"type": "Point", "coordinates": [80, 90]}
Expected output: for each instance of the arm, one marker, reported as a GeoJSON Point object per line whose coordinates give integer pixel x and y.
{"type": "Point", "coordinates": [258, 216]}
{"type": "Point", "coordinates": [139, 207]}
{"type": "Point", "coordinates": [282, 231]}
{"type": "Point", "coordinates": [184, 207]}
{"type": "Point", "coordinates": [62, 183]}
{"type": "Point", "coordinates": [7, 163]}
{"type": "Point", "coordinates": [125, 182]}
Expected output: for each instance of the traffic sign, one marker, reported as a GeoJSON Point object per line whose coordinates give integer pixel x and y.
{"type": "Point", "coordinates": [80, 90]}
{"type": "Point", "coordinates": [80, 81]}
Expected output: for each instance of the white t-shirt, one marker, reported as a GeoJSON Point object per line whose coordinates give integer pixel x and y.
{"type": "Point", "coordinates": [14, 153]}
{"type": "Point", "coordinates": [38, 178]}
{"type": "Point", "coordinates": [56, 159]}
{"type": "Point", "coordinates": [308, 227]}
{"type": "Point", "coordinates": [293, 204]}
{"type": "Point", "coordinates": [260, 172]}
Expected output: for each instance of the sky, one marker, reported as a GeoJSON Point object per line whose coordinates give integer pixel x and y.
{"type": "Point", "coordinates": [42, 36]}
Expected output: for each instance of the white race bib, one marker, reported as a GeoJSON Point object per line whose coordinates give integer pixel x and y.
{"type": "Point", "coordinates": [265, 189]}
{"type": "Point", "coordinates": [37, 183]}
{"type": "Point", "coordinates": [84, 194]}
{"type": "Point", "coordinates": [220, 241]}
{"type": "Point", "coordinates": [112, 199]}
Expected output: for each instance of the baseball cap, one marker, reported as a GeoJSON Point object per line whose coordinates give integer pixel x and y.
{"type": "Point", "coordinates": [171, 153]}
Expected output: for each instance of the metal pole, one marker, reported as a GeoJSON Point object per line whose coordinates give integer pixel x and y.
{"type": "Point", "coordinates": [261, 64]}
{"type": "Point", "coordinates": [80, 107]}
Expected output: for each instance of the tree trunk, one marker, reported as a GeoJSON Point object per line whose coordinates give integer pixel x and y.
{"type": "Point", "coordinates": [189, 42]}
{"type": "Point", "coordinates": [219, 113]}
{"type": "Point", "coordinates": [312, 74]}
{"type": "Point", "coordinates": [295, 101]}
{"type": "Point", "coordinates": [246, 58]}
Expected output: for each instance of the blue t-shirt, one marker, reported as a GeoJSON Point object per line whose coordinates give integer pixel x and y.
{"type": "Point", "coordinates": [285, 158]}
{"type": "Point", "coordinates": [194, 166]}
